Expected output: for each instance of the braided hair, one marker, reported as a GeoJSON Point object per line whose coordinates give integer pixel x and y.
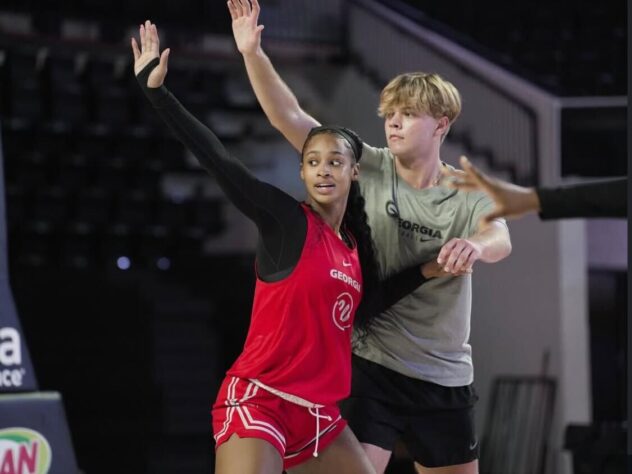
{"type": "Point", "coordinates": [355, 221]}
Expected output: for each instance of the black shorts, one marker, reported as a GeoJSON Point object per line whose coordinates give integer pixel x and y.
{"type": "Point", "coordinates": [435, 423]}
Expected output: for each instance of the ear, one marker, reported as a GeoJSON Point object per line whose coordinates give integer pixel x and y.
{"type": "Point", "coordinates": [301, 171]}
{"type": "Point", "coordinates": [442, 125]}
{"type": "Point", "coordinates": [355, 172]}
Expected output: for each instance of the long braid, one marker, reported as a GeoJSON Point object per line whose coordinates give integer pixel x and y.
{"type": "Point", "coordinates": [356, 221]}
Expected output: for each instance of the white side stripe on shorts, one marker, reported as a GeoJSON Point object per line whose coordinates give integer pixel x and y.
{"type": "Point", "coordinates": [246, 418]}
{"type": "Point", "coordinates": [229, 414]}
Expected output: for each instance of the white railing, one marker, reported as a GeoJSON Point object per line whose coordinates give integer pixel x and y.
{"type": "Point", "coordinates": [499, 114]}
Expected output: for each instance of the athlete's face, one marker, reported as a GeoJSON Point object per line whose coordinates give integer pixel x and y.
{"type": "Point", "coordinates": [328, 168]}
{"type": "Point", "coordinates": [410, 133]}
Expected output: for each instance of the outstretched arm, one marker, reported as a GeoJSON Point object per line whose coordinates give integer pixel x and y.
{"type": "Point", "coordinates": [405, 282]}
{"type": "Point", "coordinates": [601, 199]}
{"type": "Point", "coordinates": [399, 285]}
{"type": "Point", "coordinates": [276, 99]}
{"type": "Point", "coordinates": [281, 222]}
{"type": "Point", "coordinates": [247, 192]}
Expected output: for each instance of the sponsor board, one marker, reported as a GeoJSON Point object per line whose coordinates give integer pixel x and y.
{"type": "Point", "coordinates": [11, 372]}
{"type": "Point", "coordinates": [24, 451]}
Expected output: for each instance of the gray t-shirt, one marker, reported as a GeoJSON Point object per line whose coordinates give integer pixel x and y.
{"type": "Point", "coordinates": [425, 335]}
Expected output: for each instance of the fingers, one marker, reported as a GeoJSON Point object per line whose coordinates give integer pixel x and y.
{"type": "Point", "coordinates": [445, 251]}
{"type": "Point", "coordinates": [462, 184]}
{"type": "Point", "coordinates": [432, 269]}
{"type": "Point", "coordinates": [462, 272]}
{"type": "Point", "coordinates": [246, 6]}
{"type": "Point", "coordinates": [232, 9]}
{"type": "Point", "coordinates": [141, 34]}
{"type": "Point", "coordinates": [456, 260]}
{"type": "Point", "coordinates": [149, 39]}
{"type": "Point", "coordinates": [164, 58]}
{"type": "Point", "coordinates": [471, 170]}
{"type": "Point", "coordinates": [451, 172]}
{"type": "Point", "coordinates": [155, 38]}
{"type": "Point", "coordinates": [135, 50]}
{"type": "Point", "coordinates": [149, 36]}
{"type": "Point", "coordinates": [457, 179]}
{"type": "Point", "coordinates": [457, 255]}
{"type": "Point", "coordinates": [464, 261]}
{"type": "Point", "coordinates": [256, 9]}
{"type": "Point", "coordinates": [241, 7]}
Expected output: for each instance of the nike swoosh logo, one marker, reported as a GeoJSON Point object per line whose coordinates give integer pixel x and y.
{"type": "Point", "coordinates": [346, 264]}
{"type": "Point", "coordinates": [473, 446]}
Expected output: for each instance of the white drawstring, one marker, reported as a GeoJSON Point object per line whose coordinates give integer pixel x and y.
{"type": "Point", "coordinates": [318, 416]}
{"type": "Point", "coordinates": [301, 402]}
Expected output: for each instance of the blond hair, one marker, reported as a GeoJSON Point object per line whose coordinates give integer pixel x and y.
{"type": "Point", "coordinates": [421, 92]}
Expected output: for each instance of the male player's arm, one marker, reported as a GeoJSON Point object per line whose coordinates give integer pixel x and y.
{"type": "Point", "coordinates": [490, 243]}
{"type": "Point", "coordinates": [275, 97]}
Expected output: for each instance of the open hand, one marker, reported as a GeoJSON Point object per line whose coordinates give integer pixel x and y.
{"type": "Point", "coordinates": [149, 50]}
{"type": "Point", "coordinates": [511, 200]}
{"type": "Point", "coordinates": [245, 29]}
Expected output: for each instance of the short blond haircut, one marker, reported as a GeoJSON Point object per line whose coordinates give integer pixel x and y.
{"type": "Point", "coordinates": [421, 92]}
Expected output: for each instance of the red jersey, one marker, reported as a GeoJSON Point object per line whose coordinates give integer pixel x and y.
{"type": "Point", "coordinates": [299, 340]}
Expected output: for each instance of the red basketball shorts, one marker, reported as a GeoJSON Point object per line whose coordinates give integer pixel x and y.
{"type": "Point", "coordinates": [297, 432]}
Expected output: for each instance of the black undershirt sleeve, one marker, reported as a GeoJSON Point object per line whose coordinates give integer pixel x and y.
{"type": "Point", "coordinates": [281, 222]}
{"type": "Point", "coordinates": [401, 284]}
{"type": "Point", "coordinates": [601, 199]}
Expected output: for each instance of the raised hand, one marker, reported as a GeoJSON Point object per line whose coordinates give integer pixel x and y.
{"type": "Point", "coordinates": [149, 50]}
{"type": "Point", "coordinates": [511, 200]}
{"type": "Point", "coordinates": [245, 29]}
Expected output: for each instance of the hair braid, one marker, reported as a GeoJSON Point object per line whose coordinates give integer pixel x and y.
{"type": "Point", "coordinates": [356, 221]}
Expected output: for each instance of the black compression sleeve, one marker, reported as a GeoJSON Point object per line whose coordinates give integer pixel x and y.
{"type": "Point", "coordinates": [390, 291]}
{"type": "Point", "coordinates": [281, 222]}
{"type": "Point", "coordinates": [401, 284]}
{"type": "Point", "coordinates": [602, 199]}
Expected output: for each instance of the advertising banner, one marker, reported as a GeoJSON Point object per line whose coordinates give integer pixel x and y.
{"type": "Point", "coordinates": [16, 370]}
{"type": "Point", "coordinates": [34, 437]}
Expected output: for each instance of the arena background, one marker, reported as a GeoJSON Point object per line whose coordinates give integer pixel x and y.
{"type": "Point", "coordinates": [126, 277]}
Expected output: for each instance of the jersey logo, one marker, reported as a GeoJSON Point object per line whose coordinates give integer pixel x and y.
{"type": "Point", "coordinates": [412, 230]}
{"type": "Point", "coordinates": [391, 209]}
{"type": "Point", "coordinates": [342, 310]}
{"type": "Point", "coordinates": [338, 275]}
{"type": "Point", "coordinates": [346, 264]}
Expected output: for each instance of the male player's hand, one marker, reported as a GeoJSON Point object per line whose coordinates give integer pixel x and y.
{"type": "Point", "coordinates": [245, 29]}
{"type": "Point", "coordinates": [457, 256]}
